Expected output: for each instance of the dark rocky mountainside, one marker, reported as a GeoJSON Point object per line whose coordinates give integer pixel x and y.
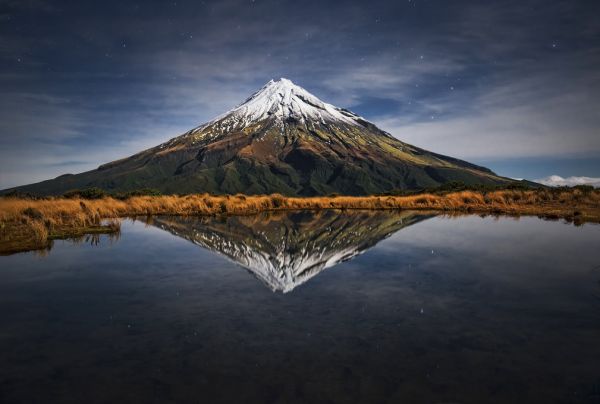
{"type": "Point", "coordinates": [281, 139]}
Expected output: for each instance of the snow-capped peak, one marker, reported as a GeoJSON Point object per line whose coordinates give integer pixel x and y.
{"type": "Point", "coordinates": [282, 99]}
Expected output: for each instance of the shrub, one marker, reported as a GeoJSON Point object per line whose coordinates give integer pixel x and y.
{"type": "Point", "coordinates": [20, 195]}
{"type": "Point", "coordinates": [145, 192]}
{"type": "Point", "coordinates": [88, 193]}
{"type": "Point", "coordinates": [223, 207]}
{"type": "Point", "coordinates": [137, 192]}
{"type": "Point", "coordinates": [277, 200]}
{"type": "Point", "coordinates": [33, 213]}
{"type": "Point", "coordinates": [585, 189]}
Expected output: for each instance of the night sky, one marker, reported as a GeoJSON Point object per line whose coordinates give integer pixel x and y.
{"type": "Point", "coordinates": [513, 85]}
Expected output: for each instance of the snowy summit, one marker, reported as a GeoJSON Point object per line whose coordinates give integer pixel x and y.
{"type": "Point", "coordinates": [283, 100]}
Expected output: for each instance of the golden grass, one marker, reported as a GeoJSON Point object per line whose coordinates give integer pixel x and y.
{"type": "Point", "coordinates": [27, 224]}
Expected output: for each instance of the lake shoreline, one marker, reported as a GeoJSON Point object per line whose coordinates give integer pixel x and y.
{"type": "Point", "coordinates": [32, 224]}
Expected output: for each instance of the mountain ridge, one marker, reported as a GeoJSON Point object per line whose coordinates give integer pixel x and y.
{"type": "Point", "coordinates": [281, 139]}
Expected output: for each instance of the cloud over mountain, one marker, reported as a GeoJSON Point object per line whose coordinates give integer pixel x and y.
{"type": "Point", "coordinates": [557, 180]}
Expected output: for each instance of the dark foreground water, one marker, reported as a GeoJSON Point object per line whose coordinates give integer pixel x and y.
{"type": "Point", "coordinates": [453, 310]}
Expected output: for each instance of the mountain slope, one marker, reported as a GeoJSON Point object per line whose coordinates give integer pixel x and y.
{"type": "Point", "coordinates": [281, 139]}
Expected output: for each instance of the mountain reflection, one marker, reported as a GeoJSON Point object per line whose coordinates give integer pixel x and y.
{"type": "Point", "coordinates": [285, 249]}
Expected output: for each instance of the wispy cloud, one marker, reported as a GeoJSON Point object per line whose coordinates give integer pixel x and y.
{"type": "Point", "coordinates": [541, 114]}
{"type": "Point", "coordinates": [102, 81]}
{"type": "Point", "coordinates": [557, 180]}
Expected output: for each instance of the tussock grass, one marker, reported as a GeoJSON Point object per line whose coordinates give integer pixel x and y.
{"type": "Point", "coordinates": [33, 222]}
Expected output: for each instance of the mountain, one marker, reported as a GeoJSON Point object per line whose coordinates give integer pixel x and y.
{"type": "Point", "coordinates": [281, 139]}
{"type": "Point", "coordinates": [286, 249]}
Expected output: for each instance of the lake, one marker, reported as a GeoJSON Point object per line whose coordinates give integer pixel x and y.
{"type": "Point", "coordinates": [315, 307]}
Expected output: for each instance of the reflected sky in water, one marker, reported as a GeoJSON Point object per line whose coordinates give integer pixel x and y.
{"type": "Point", "coordinates": [429, 309]}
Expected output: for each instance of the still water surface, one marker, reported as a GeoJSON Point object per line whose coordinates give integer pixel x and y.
{"type": "Point", "coordinates": [325, 307]}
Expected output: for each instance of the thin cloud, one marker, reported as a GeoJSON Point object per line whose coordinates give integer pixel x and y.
{"type": "Point", "coordinates": [141, 74]}
{"type": "Point", "coordinates": [557, 180]}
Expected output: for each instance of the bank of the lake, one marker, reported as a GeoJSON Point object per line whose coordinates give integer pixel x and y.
{"type": "Point", "coordinates": [29, 223]}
